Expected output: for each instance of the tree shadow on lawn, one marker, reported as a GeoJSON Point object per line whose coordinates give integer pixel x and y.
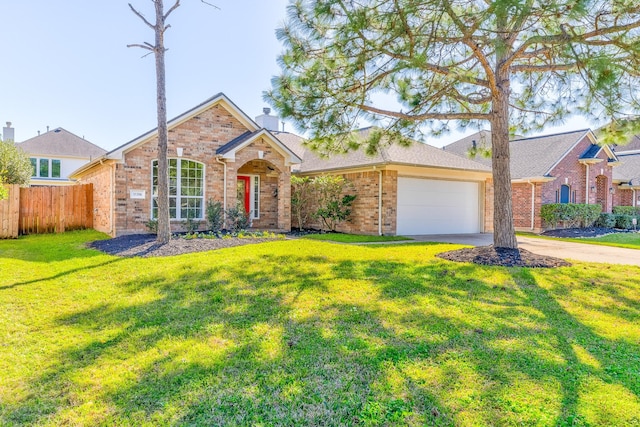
{"type": "Point", "coordinates": [289, 343]}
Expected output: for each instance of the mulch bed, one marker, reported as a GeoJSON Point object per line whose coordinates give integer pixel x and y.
{"type": "Point", "coordinates": [583, 232]}
{"type": "Point", "coordinates": [505, 257]}
{"type": "Point", "coordinates": [145, 245]}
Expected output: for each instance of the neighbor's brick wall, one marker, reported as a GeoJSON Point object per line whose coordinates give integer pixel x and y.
{"type": "Point", "coordinates": [364, 216]}
{"type": "Point", "coordinates": [623, 197]}
{"type": "Point", "coordinates": [570, 172]}
{"type": "Point", "coordinates": [101, 177]}
{"type": "Point", "coordinates": [199, 138]}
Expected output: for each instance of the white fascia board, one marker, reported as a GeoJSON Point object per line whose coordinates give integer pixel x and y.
{"type": "Point", "coordinates": [289, 156]}
{"type": "Point", "coordinates": [533, 179]}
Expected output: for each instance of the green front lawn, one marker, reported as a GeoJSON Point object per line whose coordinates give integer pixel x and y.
{"type": "Point", "coordinates": [619, 240]}
{"type": "Point", "coordinates": [354, 238]}
{"type": "Point", "coordinates": [311, 333]}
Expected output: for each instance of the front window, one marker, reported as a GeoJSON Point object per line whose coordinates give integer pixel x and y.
{"type": "Point", "coordinates": [186, 189]}
{"type": "Point", "coordinates": [44, 168]}
{"type": "Point", "coordinates": [34, 167]}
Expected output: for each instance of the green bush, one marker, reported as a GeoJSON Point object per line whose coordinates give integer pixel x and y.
{"type": "Point", "coordinates": [237, 219]}
{"type": "Point", "coordinates": [624, 222]}
{"type": "Point", "coordinates": [334, 207]}
{"type": "Point", "coordinates": [606, 220]}
{"type": "Point", "coordinates": [215, 215]}
{"type": "Point", "coordinates": [191, 225]}
{"type": "Point", "coordinates": [152, 226]}
{"type": "Point", "coordinates": [570, 214]}
{"type": "Point", "coordinates": [627, 210]}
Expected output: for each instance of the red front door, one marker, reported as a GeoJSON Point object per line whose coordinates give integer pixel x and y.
{"type": "Point", "coordinates": [244, 191]}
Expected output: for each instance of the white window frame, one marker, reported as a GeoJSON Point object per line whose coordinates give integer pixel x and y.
{"type": "Point", "coordinates": [178, 196]}
{"type": "Point", "coordinates": [49, 167]}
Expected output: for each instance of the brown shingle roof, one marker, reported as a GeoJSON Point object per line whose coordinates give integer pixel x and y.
{"type": "Point", "coordinates": [628, 170]}
{"type": "Point", "coordinates": [418, 154]}
{"type": "Point", "coordinates": [60, 142]}
{"type": "Point", "coordinates": [530, 157]}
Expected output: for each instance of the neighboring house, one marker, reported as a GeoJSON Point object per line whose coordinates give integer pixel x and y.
{"type": "Point", "coordinates": [56, 154]}
{"type": "Point", "coordinates": [561, 168]}
{"type": "Point", "coordinates": [216, 152]}
{"type": "Point", "coordinates": [627, 175]}
{"type": "Point", "coordinates": [416, 190]}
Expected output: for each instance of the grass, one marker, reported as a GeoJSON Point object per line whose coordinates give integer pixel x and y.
{"type": "Point", "coordinates": [354, 238]}
{"type": "Point", "coordinates": [618, 240]}
{"type": "Point", "coordinates": [311, 333]}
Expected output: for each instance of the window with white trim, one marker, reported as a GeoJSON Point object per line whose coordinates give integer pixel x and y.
{"type": "Point", "coordinates": [45, 168]}
{"type": "Point", "coordinates": [186, 189]}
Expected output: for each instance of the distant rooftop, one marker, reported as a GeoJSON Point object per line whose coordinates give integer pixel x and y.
{"type": "Point", "coordinates": [60, 142]}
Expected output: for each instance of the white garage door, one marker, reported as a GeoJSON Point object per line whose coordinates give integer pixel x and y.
{"type": "Point", "coordinates": [427, 206]}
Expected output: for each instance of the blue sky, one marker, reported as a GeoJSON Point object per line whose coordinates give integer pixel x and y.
{"type": "Point", "coordinates": [65, 63]}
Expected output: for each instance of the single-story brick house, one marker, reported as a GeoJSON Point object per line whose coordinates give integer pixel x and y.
{"type": "Point", "coordinates": [566, 167]}
{"type": "Point", "coordinates": [215, 152]}
{"type": "Point", "coordinates": [416, 190]}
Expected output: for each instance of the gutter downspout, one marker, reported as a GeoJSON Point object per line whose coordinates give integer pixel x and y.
{"type": "Point", "coordinates": [224, 191]}
{"type": "Point", "coordinates": [379, 201]}
{"type": "Point", "coordinates": [634, 202]}
{"type": "Point", "coordinates": [533, 204]}
{"type": "Point", "coordinates": [586, 185]}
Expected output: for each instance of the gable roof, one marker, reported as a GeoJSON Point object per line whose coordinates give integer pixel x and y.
{"type": "Point", "coordinates": [418, 154]}
{"type": "Point", "coordinates": [61, 142]}
{"type": "Point", "coordinates": [228, 150]}
{"type": "Point", "coordinates": [533, 157]}
{"type": "Point", "coordinates": [628, 171]}
{"type": "Point", "coordinates": [219, 98]}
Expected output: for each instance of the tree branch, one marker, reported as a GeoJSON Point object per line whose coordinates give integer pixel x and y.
{"type": "Point", "coordinates": [141, 16]}
{"type": "Point", "coordinates": [174, 7]}
{"type": "Point", "coordinates": [425, 116]}
{"type": "Point", "coordinates": [142, 46]}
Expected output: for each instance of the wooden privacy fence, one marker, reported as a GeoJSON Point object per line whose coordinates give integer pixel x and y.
{"type": "Point", "coordinates": [35, 210]}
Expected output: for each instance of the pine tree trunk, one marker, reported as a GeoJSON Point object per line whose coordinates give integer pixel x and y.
{"type": "Point", "coordinates": [504, 235]}
{"type": "Point", "coordinates": [164, 230]}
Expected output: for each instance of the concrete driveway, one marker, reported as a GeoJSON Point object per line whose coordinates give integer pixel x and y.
{"type": "Point", "coordinates": [554, 248]}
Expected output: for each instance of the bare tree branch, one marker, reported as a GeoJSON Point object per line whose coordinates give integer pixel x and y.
{"type": "Point", "coordinates": [209, 4]}
{"type": "Point", "coordinates": [174, 7]}
{"type": "Point", "coordinates": [141, 16]}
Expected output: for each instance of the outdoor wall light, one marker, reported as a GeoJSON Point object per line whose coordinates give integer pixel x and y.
{"type": "Point", "coordinates": [593, 188]}
{"type": "Point", "coordinates": [611, 190]}
{"type": "Point", "coordinates": [275, 193]}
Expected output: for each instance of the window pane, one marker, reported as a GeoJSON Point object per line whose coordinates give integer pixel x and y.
{"type": "Point", "coordinates": [55, 168]}
{"type": "Point", "coordinates": [34, 167]}
{"type": "Point", "coordinates": [44, 168]}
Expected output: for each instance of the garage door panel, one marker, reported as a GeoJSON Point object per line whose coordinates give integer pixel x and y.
{"type": "Point", "coordinates": [437, 207]}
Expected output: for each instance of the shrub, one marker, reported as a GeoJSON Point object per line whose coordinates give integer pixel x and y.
{"type": "Point", "coordinates": [606, 220]}
{"type": "Point", "coordinates": [152, 226]}
{"type": "Point", "coordinates": [627, 210]}
{"type": "Point", "coordinates": [215, 215]}
{"type": "Point", "coordinates": [237, 219]}
{"type": "Point", "coordinates": [302, 193]}
{"type": "Point", "coordinates": [624, 222]}
{"type": "Point", "coordinates": [191, 225]}
{"type": "Point", "coordinates": [570, 214]}
{"type": "Point", "coordinates": [334, 207]}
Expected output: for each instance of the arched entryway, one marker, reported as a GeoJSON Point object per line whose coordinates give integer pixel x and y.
{"type": "Point", "coordinates": [602, 192]}
{"type": "Point", "coordinates": [259, 190]}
